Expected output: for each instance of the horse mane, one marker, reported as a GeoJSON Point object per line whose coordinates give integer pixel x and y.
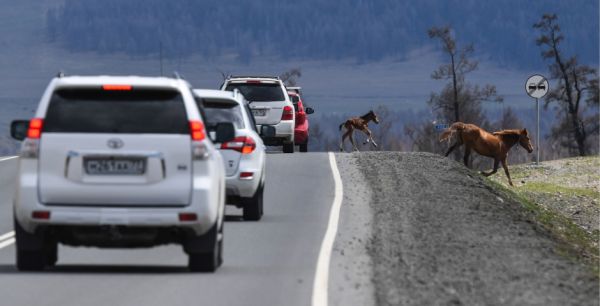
{"type": "Point", "coordinates": [512, 135]}
{"type": "Point", "coordinates": [366, 116]}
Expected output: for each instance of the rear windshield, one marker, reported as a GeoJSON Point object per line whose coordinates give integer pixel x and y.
{"type": "Point", "coordinates": [264, 92]}
{"type": "Point", "coordinates": [152, 111]}
{"type": "Point", "coordinates": [215, 112]}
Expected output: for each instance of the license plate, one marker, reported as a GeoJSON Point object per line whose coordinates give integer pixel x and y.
{"type": "Point", "coordinates": [259, 112]}
{"type": "Point", "coordinates": [114, 165]}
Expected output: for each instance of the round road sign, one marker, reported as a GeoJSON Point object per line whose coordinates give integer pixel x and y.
{"type": "Point", "coordinates": [537, 86]}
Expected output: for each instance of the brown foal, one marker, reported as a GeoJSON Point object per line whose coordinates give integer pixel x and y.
{"type": "Point", "coordinates": [359, 123]}
{"type": "Point", "coordinates": [495, 145]}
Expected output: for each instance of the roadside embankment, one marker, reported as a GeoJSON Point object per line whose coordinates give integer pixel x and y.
{"type": "Point", "coordinates": [440, 234]}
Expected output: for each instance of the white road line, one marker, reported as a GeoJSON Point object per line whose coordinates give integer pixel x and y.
{"type": "Point", "coordinates": [7, 235]}
{"type": "Point", "coordinates": [321, 283]}
{"type": "Point", "coordinates": [7, 158]}
{"type": "Point", "coordinates": [6, 243]}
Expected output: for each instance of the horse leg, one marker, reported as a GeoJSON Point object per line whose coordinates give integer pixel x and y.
{"type": "Point", "coordinates": [369, 137]}
{"type": "Point", "coordinates": [352, 141]}
{"type": "Point", "coordinates": [466, 157]}
{"type": "Point", "coordinates": [505, 166]}
{"type": "Point", "coordinates": [344, 136]}
{"type": "Point", "coordinates": [454, 146]}
{"type": "Point", "coordinates": [496, 163]}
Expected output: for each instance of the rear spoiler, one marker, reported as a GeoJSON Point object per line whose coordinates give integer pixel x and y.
{"type": "Point", "coordinates": [295, 89]}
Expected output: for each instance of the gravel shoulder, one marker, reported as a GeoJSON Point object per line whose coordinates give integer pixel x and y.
{"type": "Point", "coordinates": [351, 268]}
{"type": "Point", "coordinates": [441, 235]}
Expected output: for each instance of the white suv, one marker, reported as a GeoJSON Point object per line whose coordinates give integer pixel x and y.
{"type": "Point", "coordinates": [244, 156]}
{"type": "Point", "coordinates": [270, 105]}
{"type": "Point", "coordinates": [118, 162]}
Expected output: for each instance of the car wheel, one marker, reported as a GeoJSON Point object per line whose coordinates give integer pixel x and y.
{"type": "Point", "coordinates": [288, 147]}
{"type": "Point", "coordinates": [30, 257]}
{"type": "Point", "coordinates": [253, 207]}
{"type": "Point", "coordinates": [205, 252]}
{"type": "Point", "coordinates": [51, 253]}
{"type": "Point", "coordinates": [304, 147]}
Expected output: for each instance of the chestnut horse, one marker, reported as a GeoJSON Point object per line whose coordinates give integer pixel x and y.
{"type": "Point", "coordinates": [495, 145]}
{"type": "Point", "coordinates": [360, 123]}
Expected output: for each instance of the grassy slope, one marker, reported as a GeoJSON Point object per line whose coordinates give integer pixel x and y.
{"type": "Point", "coordinates": [550, 192]}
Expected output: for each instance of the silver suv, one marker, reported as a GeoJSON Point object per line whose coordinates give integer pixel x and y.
{"type": "Point", "coordinates": [118, 162]}
{"type": "Point", "coordinates": [270, 105]}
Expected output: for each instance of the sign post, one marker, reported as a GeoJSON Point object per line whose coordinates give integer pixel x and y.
{"type": "Point", "coordinates": [537, 87]}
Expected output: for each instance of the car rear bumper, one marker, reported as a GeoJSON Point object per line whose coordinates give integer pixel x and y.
{"type": "Point", "coordinates": [244, 188]}
{"type": "Point", "coordinates": [284, 131]}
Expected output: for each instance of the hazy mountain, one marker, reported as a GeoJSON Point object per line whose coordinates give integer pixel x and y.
{"type": "Point", "coordinates": [317, 29]}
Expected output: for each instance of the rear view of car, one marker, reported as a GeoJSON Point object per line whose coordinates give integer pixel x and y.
{"type": "Point", "coordinates": [270, 105]}
{"type": "Point", "coordinates": [117, 162]}
{"type": "Point", "coordinates": [301, 128]}
{"type": "Point", "coordinates": [244, 156]}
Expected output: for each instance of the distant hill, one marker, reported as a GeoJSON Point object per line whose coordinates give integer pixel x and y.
{"type": "Point", "coordinates": [316, 29]}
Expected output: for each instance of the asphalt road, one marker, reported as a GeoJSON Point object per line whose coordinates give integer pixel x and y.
{"type": "Point", "coordinates": [270, 262]}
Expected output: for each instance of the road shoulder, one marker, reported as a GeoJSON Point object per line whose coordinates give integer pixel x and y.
{"type": "Point", "coordinates": [350, 277]}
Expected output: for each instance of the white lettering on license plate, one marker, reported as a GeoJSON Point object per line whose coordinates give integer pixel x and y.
{"type": "Point", "coordinates": [115, 166]}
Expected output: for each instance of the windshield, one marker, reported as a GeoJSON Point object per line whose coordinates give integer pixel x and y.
{"type": "Point", "coordinates": [216, 112]}
{"type": "Point", "coordinates": [263, 92]}
{"type": "Point", "coordinates": [94, 110]}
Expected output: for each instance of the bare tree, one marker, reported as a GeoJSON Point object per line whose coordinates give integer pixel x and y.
{"type": "Point", "coordinates": [458, 100]}
{"type": "Point", "coordinates": [290, 77]}
{"type": "Point", "coordinates": [574, 82]}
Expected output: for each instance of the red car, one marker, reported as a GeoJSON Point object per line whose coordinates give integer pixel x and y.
{"type": "Point", "coordinates": [301, 127]}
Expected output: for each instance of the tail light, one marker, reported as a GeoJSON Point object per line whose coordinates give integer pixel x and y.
{"type": "Point", "coordinates": [198, 134]}
{"type": "Point", "coordinates": [288, 113]}
{"type": "Point", "coordinates": [31, 146]}
{"type": "Point", "coordinates": [197, 130]}
{"type": "Point", "coordinates": [35, 128]}
{"type": "Point", "coordinates": [242, 144]}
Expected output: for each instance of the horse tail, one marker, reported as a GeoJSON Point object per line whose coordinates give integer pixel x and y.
{"type": "Point", "coordinates": [341, 125]}
{"type": "Point", "coordinates": [449, 132]}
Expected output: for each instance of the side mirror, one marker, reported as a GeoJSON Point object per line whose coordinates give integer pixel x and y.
{"type": "Point", "coordinates": [267, 131]}
{"type": "Point", "coordinates": [309, 110]}
{"type": "Point", "coordinates": [18, 129]}
{"type": "Point", "coordinates": [225, 131]}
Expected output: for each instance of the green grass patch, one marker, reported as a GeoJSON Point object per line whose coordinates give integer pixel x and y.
{"type": "Point", "coordinates": [574, 242]}
{"type": "Point", "coordinates": [553, 188]}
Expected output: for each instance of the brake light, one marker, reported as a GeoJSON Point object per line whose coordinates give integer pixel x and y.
{"type": "Point", "coordinates": [197, 130]}
{"type": "Point", "coordinates": [40, 214]}
{"type": "Point", "coordinates": [253, 82]}
{"type": "Point", "coordinates": [242, 144]}
{"type": "Point", "coordinates": [183, 217]}
{"type": "Point", "coordinates": [288, 113]}
{"type": "Point", "coordinates": [35, 128]}
{"type": "Point", "coordinates": [116, 87]}
{"type": "Point", "coordinates": [246, 175]}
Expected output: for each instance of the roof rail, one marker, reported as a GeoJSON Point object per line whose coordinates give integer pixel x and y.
{"type": "Point", "coordinates": [176, 75]}
{"type": "Point", "coordinates": [253, 76]}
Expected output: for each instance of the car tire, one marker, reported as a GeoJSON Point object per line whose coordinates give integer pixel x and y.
{"type": "Point", "coordinates": [303, 147]}
{"type": "Point", "coordinates": [253, 207]}
{"type": "Point", "coordinates": [288, 147]}
{"type": "Point", "coordinates": [31, 253]}
{"type": "Point", "coordinates": [51, 254]}
{"type": "Point", "coordinates": [207, 261]}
